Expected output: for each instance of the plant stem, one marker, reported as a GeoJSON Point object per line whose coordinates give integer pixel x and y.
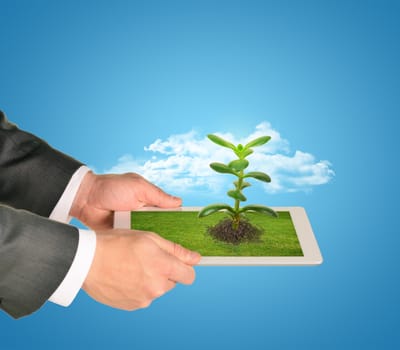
{"type": "Point", "coordinates": [237, 202]}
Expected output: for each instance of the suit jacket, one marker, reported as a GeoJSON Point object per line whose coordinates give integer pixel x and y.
{"type": "Point", "coordinates": [35, 252]}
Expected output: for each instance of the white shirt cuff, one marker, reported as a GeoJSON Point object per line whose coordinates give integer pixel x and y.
{"type": "Point", "coordinates": [61, 210]}
{"type": "Point", "coordinates": [73, 280]}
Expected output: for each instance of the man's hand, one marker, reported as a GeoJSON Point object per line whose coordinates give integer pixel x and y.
{"type": "Point", "coordinates": [131, 268]}
{"type": "Point", "coordinates": [100, 195]}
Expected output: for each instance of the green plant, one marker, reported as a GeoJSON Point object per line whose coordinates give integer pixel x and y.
{"type": "Point", "coordinates": [236, 167]}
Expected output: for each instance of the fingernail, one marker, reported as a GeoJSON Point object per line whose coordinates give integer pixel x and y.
{"type": "Point", "coordinates": [176, 199]}
{"type": "Point", "coordinates": [195, 255]}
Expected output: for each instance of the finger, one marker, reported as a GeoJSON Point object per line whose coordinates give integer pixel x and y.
{"type": "Point", "coordinates": [159, 290]}
{"type": "Point", "coordinates": [183, 254]}
{"type": "Point", "coordinates": [155, 196]}
{"type": "Point", "coordinates": [180, 272]}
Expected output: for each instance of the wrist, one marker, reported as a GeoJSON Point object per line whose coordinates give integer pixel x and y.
{"type": "Point", "coordinates": [81, 198]}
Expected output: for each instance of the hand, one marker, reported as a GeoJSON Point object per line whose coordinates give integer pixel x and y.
{"type": "Point", "coordinates": [131, 268]}
{"type": "Point", "coordinates": [100, 195]}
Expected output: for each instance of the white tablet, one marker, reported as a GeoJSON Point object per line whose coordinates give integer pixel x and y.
{"type": "Point", "coordinates": [286, 240]}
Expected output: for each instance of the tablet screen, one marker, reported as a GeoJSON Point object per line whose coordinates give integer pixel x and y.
{"type": "Point", "coordinates": [286, 240]}
{"type": "Point", "coordinates": [276, 236]}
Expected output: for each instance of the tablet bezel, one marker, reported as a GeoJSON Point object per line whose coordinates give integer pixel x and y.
{"type": "Point", "coordinates": [308, 243]}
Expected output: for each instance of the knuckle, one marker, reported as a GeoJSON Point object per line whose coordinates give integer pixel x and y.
{"type": "Point", "coordinates": [130, 308]}
{"type": "Point", "coordinates": [145, 304]}
{"type": "Point", "coordinates": [133, 175]}
{"type": "Point", "coordinates": [155, 291]}
{"type": "Point", "coordinates": [181, 252]}
{"type": "Point", "coordinates": [130, 305]}
{"type": "Point", "coordinates": [178, 249]}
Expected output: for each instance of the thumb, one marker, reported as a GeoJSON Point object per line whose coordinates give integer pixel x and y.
{"type": "Point", "coordinates": [187, 256]}
{"type": "Point", "coordinates": [155, 196]}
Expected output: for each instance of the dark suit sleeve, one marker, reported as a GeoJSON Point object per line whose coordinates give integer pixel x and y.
{"type": "Point", "coordinates": [35, 252]}
{"type": "Point", "coordinates": [33, 175]}
{"type": "Point", "coordinates": [35, 255]}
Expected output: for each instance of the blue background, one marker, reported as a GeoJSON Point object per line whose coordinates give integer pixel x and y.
{"type": "Point", "coordinates": [98, 79]}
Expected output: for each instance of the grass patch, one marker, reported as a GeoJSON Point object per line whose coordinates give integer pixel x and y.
{"type": "Point", "coordinates": [278, 238]}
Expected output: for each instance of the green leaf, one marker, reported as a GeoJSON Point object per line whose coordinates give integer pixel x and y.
{"type": "Point", "coordinates": [244, 184]}
{"type": "Point", "coordinates": [213, 208]}
{"type": "Point", "coordinates": [259, 176]}
{"type": "Point", "coordinates": [239, 164]}
{"type": "Point", "coordinates": [246, 152]}
{"type": "Point", "coordinates": [240, 147]}
{"type": "Point", "coordinates": [222, 168]}
{"type": "Point", "coordinates": [258, 141]}
{"type": "Point", "coordinates": [259, 209]}
{"type": "Point", "coordinates": [238, 195]}
{"type": "Point", "coordinates": [221, 142]}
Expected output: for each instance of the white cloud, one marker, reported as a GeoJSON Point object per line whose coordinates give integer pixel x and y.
{"type": "Point", "coordinates": [180, 164]}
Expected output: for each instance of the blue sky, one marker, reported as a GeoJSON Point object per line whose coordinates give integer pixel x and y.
{"type": "Point", "coordinates": [104, 79]}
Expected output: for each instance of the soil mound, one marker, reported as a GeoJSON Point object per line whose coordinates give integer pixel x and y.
{"type": "Point", "coordinates": [225, 231]}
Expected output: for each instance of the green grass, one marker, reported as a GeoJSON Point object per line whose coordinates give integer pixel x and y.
{"type": "Point", "coordinates": [279, 237]}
